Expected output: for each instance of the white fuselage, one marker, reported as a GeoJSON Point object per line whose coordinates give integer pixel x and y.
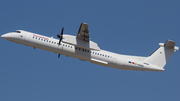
{"type": "Point", "coordinates": [100, 57]}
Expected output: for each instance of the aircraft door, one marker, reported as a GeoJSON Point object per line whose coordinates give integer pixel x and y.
{"type": "Point", "coordinates": [115, 59]}
{"type": "Point", "coordinates": [27, 36]}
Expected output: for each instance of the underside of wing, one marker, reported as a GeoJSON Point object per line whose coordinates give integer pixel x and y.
{"type": "Point", "coordinates": [83, 33]}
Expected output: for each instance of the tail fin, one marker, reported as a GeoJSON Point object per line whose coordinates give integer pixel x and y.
{"type": "Point", "coordinates": [161, 56]}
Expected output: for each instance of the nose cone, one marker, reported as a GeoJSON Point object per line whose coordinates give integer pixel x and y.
{"type": "Point", "coordinates": [6, 36]}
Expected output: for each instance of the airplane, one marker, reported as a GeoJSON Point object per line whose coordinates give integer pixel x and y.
{"type": "Point", "coordinates": [81, 47]}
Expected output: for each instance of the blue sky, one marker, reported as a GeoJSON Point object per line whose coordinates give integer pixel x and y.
{"type": "Point", "coordinates": [132, 27]}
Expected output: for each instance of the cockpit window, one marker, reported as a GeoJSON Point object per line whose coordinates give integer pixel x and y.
{"type": "Point", "coordinates": [17, 31]}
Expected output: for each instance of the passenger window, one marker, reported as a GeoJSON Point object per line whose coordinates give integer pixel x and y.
{"type": "Point", "coordinates": [54, 42]}
{"type": "Point", "coordinates": [49, 41]}
{"type": "Point", "coordinates": [39, 38]}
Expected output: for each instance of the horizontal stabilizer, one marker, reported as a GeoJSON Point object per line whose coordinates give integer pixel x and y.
{"type": "Point", "coordinates": [170, 44]}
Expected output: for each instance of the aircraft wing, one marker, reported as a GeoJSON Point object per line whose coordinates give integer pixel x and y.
{"type": "Point", "coordinates": [83, 33]}
{"type": "Point", "coordinates": [82, 39]}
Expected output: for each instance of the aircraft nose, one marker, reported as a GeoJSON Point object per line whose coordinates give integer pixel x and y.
{"type": "Point", "coordinates": [6, 36]}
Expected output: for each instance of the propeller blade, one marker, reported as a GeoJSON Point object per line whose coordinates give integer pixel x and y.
{"type": "Point", "coordinates": [62, 31]}
{"type": "Point", "coordinates": [59, 41]}
{"type": "Point", "coordinates": [60, 36]}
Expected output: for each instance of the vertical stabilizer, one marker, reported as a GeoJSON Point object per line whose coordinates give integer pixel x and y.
{"type": "Point", "coordinates": [161, 56]}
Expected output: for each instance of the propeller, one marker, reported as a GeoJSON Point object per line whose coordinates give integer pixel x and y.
{"type": "Point", "coordinates": [60, 36]}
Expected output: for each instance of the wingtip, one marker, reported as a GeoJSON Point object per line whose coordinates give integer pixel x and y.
{"type": "Point", "coordinates": [176, 48]}
{"type": "Point", "coordinates": [83, 23]}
